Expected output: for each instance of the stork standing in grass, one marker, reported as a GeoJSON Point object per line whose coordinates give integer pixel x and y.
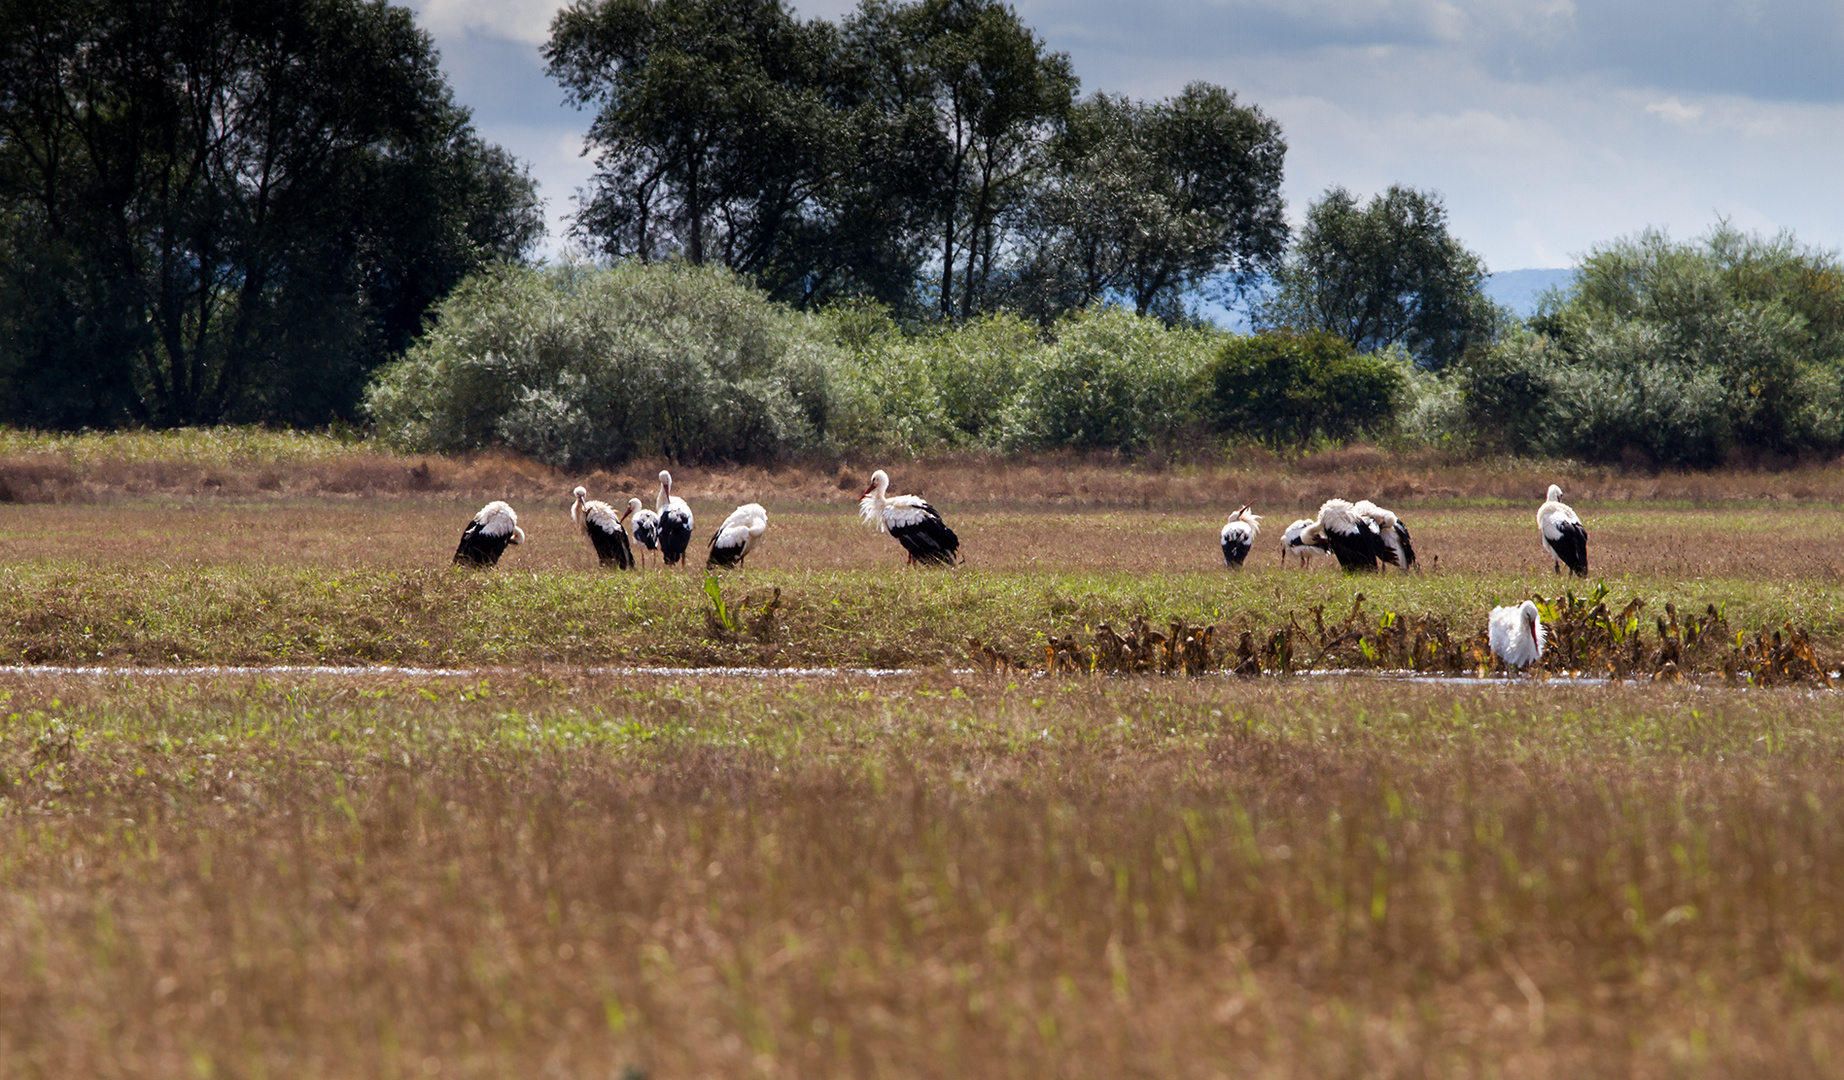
{"type": "Point", "coordinates": [1562, 534]}
{"type": "Point", "coordinates": [1397, 549]}
{"type": "Point", "coordinates": [1516, 634]}
{"type": "Point", "coordinates": [486, 536]}
{"type": "Point", "coordinates": [675, 521]}
{"type": "Point", "coordinates": [643, 523]}
{"type": "Point", "coordinates": [1238, 536]}
{"type": "Point", "coordinates": [740, 534]}
{"type": "Point", "coordinates": [600, 523]}
{"type": "Point", "coordinates": [913, 522]}
{"type": "Point", "coordinates": [1303, 537]}
{"type": "Point", "coordinates": [1354, 540]}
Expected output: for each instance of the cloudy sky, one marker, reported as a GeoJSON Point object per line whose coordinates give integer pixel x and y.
{"type": "Point", "coordinates": [1548, 126]}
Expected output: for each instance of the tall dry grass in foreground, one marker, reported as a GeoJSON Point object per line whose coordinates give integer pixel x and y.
{"type": "Point", "coordinates": [932, 877]}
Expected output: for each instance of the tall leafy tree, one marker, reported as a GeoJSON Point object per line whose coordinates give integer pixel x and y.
{"type": "Point", "coordinates": [1382, 274]}
{"type": "Point", "coordinates": [712, 125]}
{"type": "Point", "coordinates": [1149, 201]}
{"type": "Point", "coordinates": [228, 209]}
{"type": "Point", "coordinates": [993, 93]}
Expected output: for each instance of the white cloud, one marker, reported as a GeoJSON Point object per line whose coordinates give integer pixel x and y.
{"type": "Point", "coordinates": [525, 21]}
{"type": "Point", "coordinates": [1676, 111]}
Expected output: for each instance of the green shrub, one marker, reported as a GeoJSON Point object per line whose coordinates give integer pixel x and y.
{"type": "Point", "coordinates": [1676, 352]}
{"type": "Point", "coordinates": [577, 365]}
{"type": "Point", "coordinates": [1112, 381]}
{"type": "Point", "coordinates": [1283, 388]}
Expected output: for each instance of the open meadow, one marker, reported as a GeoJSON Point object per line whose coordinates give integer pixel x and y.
{"type": "Point", "coordinates": [579, 850]}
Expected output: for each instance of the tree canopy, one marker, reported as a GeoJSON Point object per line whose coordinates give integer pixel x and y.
{"type": "Point", "coordinates": [229, 209]}
{"type": "Point", "coordinates": [1388, 273]}
{"type": "Point", "coordinates": [1147, 202]}
{"type": "Point", "coordinates": [928, 154]}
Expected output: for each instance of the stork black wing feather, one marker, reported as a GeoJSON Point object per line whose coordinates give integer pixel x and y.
{"type": "Point", "coordinates": [929, 541]}
{"type": "Point", "coordinates": [1235, 550]}
{"type": "Point", "coordinates": [611, 547]}
{"type": "Point", "coordinates": [479, 549]}
{"type": "Point", "coordinates": [1572, 547]}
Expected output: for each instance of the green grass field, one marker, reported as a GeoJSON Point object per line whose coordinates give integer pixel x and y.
{"type": "Point", "coordinates": [542, 868]}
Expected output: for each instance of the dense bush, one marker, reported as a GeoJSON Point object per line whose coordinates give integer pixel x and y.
{"type": "Point", "coordinates": [1284, 388]}
{"type": "Point", "coordinates": [1112, 381]}
{"type": "Point", "coordinates": [1678, 353]}
{"type": "Point", "coordinates": [577, 365]}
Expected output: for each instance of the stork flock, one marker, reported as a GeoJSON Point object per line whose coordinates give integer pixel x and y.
{"type": "Point", "coordinates": [1362, 536]}
{"type": "Point", "coordinates": [667, 529]}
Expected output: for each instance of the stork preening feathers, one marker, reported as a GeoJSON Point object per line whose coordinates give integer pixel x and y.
{"type": "Point", "coordinates": [644, 524]}
{"type": "Point", "coordinates": [675, 521]}
{"type": "Point", "coordinates": [1562, 534]}
{"type": "Point", "coordinates": [603, 527]}
{"type": "Point", "coordinates": [1516, 634]}
{"type": "Point", "coordinates": [913, 522]}
{"type": "Point", "coordinates": [737, 536]}
{"type": "Point", "coordinates": [486, 536]}
{"type": "Point", "coordinates": [1303, 537]}
{"type": "Point", "coordinates": [1353, 539]}
{"type": "Point", "coordinates": [1238, 536]}
{"type": "Point", "coordinates": [1397, 549]}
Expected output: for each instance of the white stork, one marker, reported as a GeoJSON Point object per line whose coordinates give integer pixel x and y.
{"type": "Point", "coordinates": [740, 534]}
{"type": "Point", "coordinates": [1562, 534]}
{"type": "Point", "coordinates": [1517, 634]}
{"type": "Point", "coordinates": [1397, 549]}
{"type": "Point", "coordinates": [910, 519]}
{"type": "Point", "coordinates": [675, 521]}
{"type": "Point", "coordinates": [486, 536]}
{"type": "Point", "coordinates": [1353, 539]}
{"type": "Point", "coordinates": [1302, 537]}
{"type": "Point", "coordinates": [1238, 536]}
{"type": "Point", "coordinates": [644, 524]}
{"type": "Point", "coordinates": [599, 523]}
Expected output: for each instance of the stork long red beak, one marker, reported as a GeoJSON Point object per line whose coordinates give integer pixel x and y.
{"type": "Point", "coordinates": [868, 490]}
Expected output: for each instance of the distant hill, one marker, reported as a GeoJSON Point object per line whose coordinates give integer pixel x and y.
{"type": "Point", "coordinates": [1519, 289]}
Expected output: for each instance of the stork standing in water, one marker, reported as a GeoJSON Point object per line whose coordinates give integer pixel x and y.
{"type": "Point", "coordinates": [644, 524]}
{"type": "Point", "coordinates": [486, 536]}
{"type": "Point", "coordinates": [1354, 540]}
{"type": "Point", "coordinates": [1238, 536]}
{"type": "Point", "coordinates": [737, 536]}
{"type": "Point", "coordinates": [599, 522]}
{"type": "Point", "coordinates": [913, 522]}
{"type": "Point", "coordinates": [675, 521]}
{"type": "Point", "coordinates": [1517, 634]}
{"type": "Point", "coordinates": [1562, 534]}
{"type": "Point", "coordinates": [1397, 549]}
{"type": "Point", "coordinates": [1303, 537]}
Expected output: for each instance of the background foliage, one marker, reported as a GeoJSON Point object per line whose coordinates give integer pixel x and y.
{"type": "Point", "coordinates": [228, 209]}
{"type": "Point", "coordinates": [1673, 353]}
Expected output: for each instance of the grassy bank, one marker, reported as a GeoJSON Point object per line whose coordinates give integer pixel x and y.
{"type": "Point", "coordinates": [940, 876]}
{"type": "Point", "coordinates": [257, 615]}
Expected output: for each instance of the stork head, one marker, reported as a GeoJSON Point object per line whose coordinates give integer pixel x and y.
{"type": "Point", "coordinates": [665, 481]}
{"type": "Point", "coordinates": [1532, 623]}
{"type": "Point", "coordinates": [1555, 493]}
{"type": "Point", "coordinates": [880, 481]}
{"type": "Point", "coordinates": [518, 535]}
{"type": "Point", "coordinates": [581, 493]}
{"type": "Point", "coordinates": [632, 505]}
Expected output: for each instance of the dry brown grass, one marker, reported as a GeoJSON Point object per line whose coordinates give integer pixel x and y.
{"type": "Point", "coordinates": [78, 471]}
{"type": "Point", "coordinates": [1777, 544]}
{"type": "Point", "coordinates": [932, 877]}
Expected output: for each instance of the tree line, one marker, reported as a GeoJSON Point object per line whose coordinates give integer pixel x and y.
{"type": "Point", "coordinates": [247, 210]}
